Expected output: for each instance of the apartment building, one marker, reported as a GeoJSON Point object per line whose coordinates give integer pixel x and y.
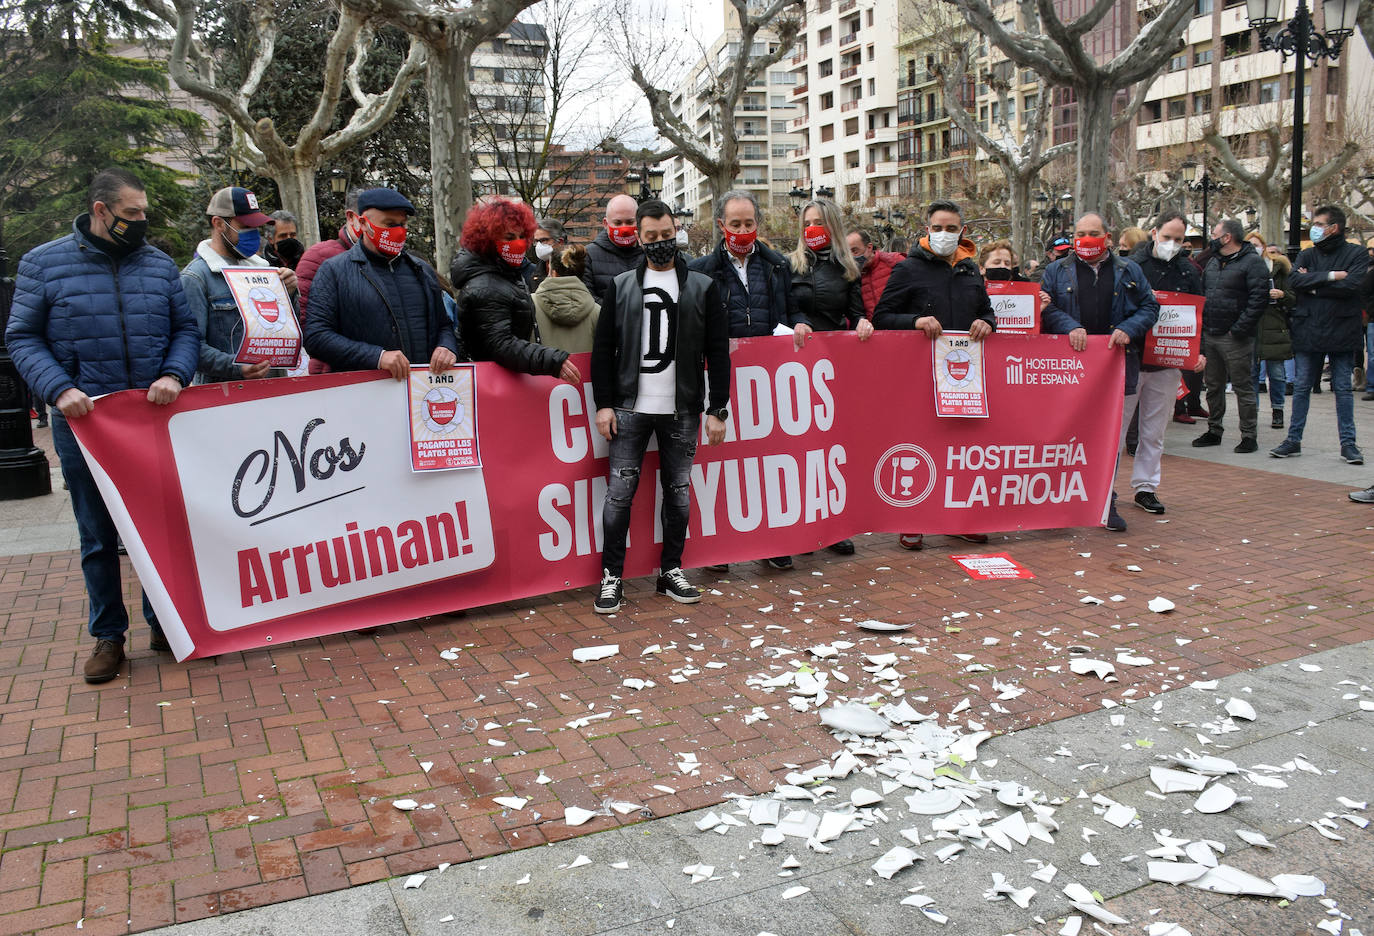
{"type": "Point", "coordinates": [506, 82]}
{"type": "Point", "coordinates": [580, 182]}
{"type": "Point", "coordinates": [933, 155]}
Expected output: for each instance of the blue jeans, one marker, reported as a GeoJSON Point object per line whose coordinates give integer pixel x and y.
{"type": "Point", "coordinates": [1272, 372]}
{"type": "Point", "coordinates": [677, 446]}
{"type": "Point", "coordinates": [109, 618]}
{"type": "Point", "coordinates": [1309, 366]}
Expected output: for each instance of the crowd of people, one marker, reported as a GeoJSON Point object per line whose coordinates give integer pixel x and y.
{"type": "Point", "coordinates": [100, 310]}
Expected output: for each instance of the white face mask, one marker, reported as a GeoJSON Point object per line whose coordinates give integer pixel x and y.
{"type": "Point", "coordinates": [682, 240]}
{"type": "Point", "coordinates": [1166, 250]}
{"type": "Point", "coordinates": [543, 251]}
{"type": "Point", "coordinates": [943, 243]}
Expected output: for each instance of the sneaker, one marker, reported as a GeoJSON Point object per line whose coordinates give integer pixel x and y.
{"type": "Point", "coordinates": [1352, 454]}
{"type": "Point", "coordinates": [1277, 421]}
{"type": "Point", "coordinates": [158, 641]}
{"type": "Point", "coordinates": [104, 661]}
{"type": "Point", "coordinates": [973, 537]}
{"type": "Point", "coordinates": [1368, 395]}
{"type": "Point", "coordinates": [1317, 388]}
{"type": "Point", "coordinates": [1147, 502]}
{"type": "Point", "coordinates": [675, 585]}
{"type": "Point", "coordinates": [912, 540]}
{"type": "Point", "coordinates": [1286, 449]}
{"type": "Point", "coordinates": [41, 424]}
{"type": "Point", "coordinates": [1184, 418]}
{"type": "Point", "coordinates": [779, 562]}
{"type": "Point", "coordinates": [1114, 522]}
{"type": "Point", "coordinates": [843, 548]}
{"type": "Point", "coordinates": [1246, 445]}
{"type": "Point", "coordinates": [609, 599]}
{"type": "Point", "coordinates": [1130, 450]}
{"type": "Point", "coordinates": [1363, 497]}
{"type": "Point", "coordinates": [1207, 438]}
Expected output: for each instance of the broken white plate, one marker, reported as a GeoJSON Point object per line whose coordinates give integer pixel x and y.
{"type": "Point", "coordinates": [405, 805]}
{"type": "Point", "coordinates": [934, 802]}
{"type": "Point", "coordinates": [1084, 666]}
{"type": "Point", "coordinates": [1216, 766]}
{"type": "Point", "coordinates": [795, 892]}
{"type": "Point", "coordinates": [581, 861]}
{"type": "Point", "coordinates": [896, 859]}
{"type": "Point", "coordinates": [1216, 798]}
{"type": "Point", "coordinates": [576, 815]}
{"type": "Point", "coordinates": [588, 654]}
{"type": "Point", "coordinates": [863, 796]}
{"type": "Point", "coordinates": [883, 626]}
{"type": "Point", "coordinates": [1120, 815]}
{"type": "Point", "coordinates": [1176, 781]}
{"type": "Point", "coordinates": [1303, 885]}
{"type": "Point", "coordinates": [1239, 708]}
{"type": "Point", "coordinates": [1201, 854]}
{"type": "Point", "coordinates": [1253, 838]}
{"type": "Point", "coordinates": [510, 802]}
{"type": "Point", "coordinates": [699, 872]}
{"type": "Point", "coordinates": [854, 718]}
{"type": "Point", "coordinates": [1224, 879]}
{"type": "Point", "coordinates": [415, 880]}
{"type": "Point", "coordinates": [1159, 605]}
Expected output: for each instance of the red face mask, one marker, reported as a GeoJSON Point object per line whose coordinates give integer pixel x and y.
{"type": "Point", "coordinates": [513, 251]}
{"type": "Point", "coordinates": [1090, 249]}
{"type": "Point", "coordinates": [622, 236]}
{"type": "Point", "coordinates": [388, 241]}
{"type": "Point", "coordinates": [816, 237]}
{"type": "Point", "coordinates": [740, 243]}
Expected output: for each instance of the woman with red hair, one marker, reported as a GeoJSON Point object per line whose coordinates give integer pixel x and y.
{"type": "Point", "coordinates": [495, 310]}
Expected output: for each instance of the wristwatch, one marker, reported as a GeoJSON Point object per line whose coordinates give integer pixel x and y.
{"type": "Point", "coordinates": [723, 413]}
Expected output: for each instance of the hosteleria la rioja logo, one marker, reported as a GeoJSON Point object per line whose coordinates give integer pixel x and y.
{"type": "Point", "coordinates": [904, 475]}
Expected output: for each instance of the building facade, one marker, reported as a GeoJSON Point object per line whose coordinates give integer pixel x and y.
{"type": "Point", "coordinates": [580, 182]}
{"type": "Point", "coordinates": [506, 83]}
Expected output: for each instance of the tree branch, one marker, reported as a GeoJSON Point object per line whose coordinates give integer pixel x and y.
{"type": "Point", "coordinates": [375, 110]}
{"type": "Point", "coordinates": [1136, 102]}
{"type": "Point", "coordinates": [226, 103]}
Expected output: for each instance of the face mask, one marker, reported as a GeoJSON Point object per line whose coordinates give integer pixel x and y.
{"type": "Point", "coordinates": [543, 251]}
{"type": "Point", "coordinates": [290, 251]}
{"type": "Point", "coordinates": [1215, 244]}
{"type": "Point", "coordinates": [513, 251]}
{"type": "Point", "coordinates": [816, 236]}
{"type": "Point", "coordinates": [740, 244]}
{"type": "Point", "coordinates": [127, 234]}
{"type": "Point", "coordinates": [1166, 250]}
{"type": "Point", "coordinates": [1317, 233]}
{"type": "Point", "coordinates": [1090, 249]}
{"type": "Point", "coordinates": [943, 243]}
{"type": "Point", "coordinates": [681, 238]}
{"type": "Point", "coordinates": [661, 252]}
{"type": "Point", "coordinates": [997, 273]}
{"type": "Point", "coordinates": [390, 241]}
{"type": "Point", "coordinates": [247, 244]}
{"type": "Point", "coordinates": [860, 260]}
{"type": "Point", "coordinates": [622, 236]}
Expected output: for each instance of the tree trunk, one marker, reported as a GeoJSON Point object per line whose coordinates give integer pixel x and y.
{"type": "Point", "coordinates": [296, 186]}
{"type": "Point", "coordinates": [446, 81]}
{"type": "Point", "coordinates": [1022, 233]}
{"type": "Point", "coordinates": [721, 180]}
{"type": "Point", "coordinates": [1094, 149]}
{"type": "Point", "coordinates": [1273, 207]}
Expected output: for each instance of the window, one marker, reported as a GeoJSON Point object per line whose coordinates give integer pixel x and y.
{"type": "Point", "coordinates": [1178, 63]}
{"type": "Point", "coordinates": [851, 160]}
{"type": "Point", "coordinates": [825, 69]}
{"type": "Point", "coordinates": [827, 133]}
{"type": "Point", "coordinates": [827, 164]}
{"type": "Point", "coordinates": [779, 126]}
{"type": "Point", "coordinates": [777, 100]}
{"type": "Point", "coordinates": [783, 77]}
{"type": "Point", "coordinates": [1202, 54]}
{"type": "Point", "coordinates": [1269, 91]}
{"type": "Point", "coordinates": [1236, 94]}
{"type": "Point", "coordinates": [1178, 108]}
{"type": "Point", "coordinates": [825, 36]}
{"type": "Point", "coordinates": [851, 126]}
{"type": "Point", "coordinates": [910, 71]}
{"type": "Point", "coordinates": [1203, 8]}
{"type": "Point", "coordinates": [1150, 112]}
{"type": "Point", "coordinates": [870, 53]}
{"type": "Point", "coordinates": [870, 17]}
{"type": "Point", "coordinates": [1202, 102]}
{"type": "Point", "coordinates": [872, 87]}
{"type": "Point", "coordinates": [780, 150]}
{"type": "Point", "coordinates": [607, 159]}
{"type": "Point", "coordinates": [1237, 44]}
{"type": "Point", "coordinates": [827, 100]}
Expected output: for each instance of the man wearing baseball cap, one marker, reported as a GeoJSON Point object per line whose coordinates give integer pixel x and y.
{"type": "Point", "coordinates": [235, 236]}
{"type": "Point", "coordinates": [375, 305]}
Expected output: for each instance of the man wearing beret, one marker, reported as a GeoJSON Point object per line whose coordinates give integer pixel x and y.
{"type": "Point", "coordinates": [375, 305]}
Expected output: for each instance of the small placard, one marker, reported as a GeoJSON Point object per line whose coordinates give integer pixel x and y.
{"type": "Point", "coordinates": [443, 419]}
{"type": "Point", "coordinates": [271, 331]}
{"type": "Point", "coordinates": [992, 566]}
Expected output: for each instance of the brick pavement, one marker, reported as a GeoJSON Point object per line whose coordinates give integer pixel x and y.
{"type": "Point", "coordinates": [187, 790]}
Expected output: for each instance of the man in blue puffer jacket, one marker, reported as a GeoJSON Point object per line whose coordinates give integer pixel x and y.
{"type": "Point", "coordinates": [96, 312]}
{"type": "Point", "coordinates": [1094, 292]}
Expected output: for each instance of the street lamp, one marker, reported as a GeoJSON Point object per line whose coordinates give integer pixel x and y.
{"type": "Point", "coordinates": [825, 191]}
{"type": "Point", "coordinates": [1299, 39]}
{"type": "Point", "coordinates": [799, 196]}
{"type": "Point", "coordinates": [684, 216]}
{"type": "Point", "coordinates": [338, 182]}
{"type": "Point", "coordinates": [1198, 179]}
{"type": "Point", "coordinates": [1053, 215]}
{"type": "Point", "coordinates": [1250, 215]}
{"type": "Point", "coordinates": [650, 182]}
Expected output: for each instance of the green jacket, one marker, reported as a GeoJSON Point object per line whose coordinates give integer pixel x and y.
{"type": "Point", "coordinates": [566, 313]}
{"type": "Point", "coordinates": [1273, 340]}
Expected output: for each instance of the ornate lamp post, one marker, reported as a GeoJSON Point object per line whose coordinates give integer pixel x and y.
{"type": "Point", "coordinates": [1198, 179]}
{"type": "Point", "coordinates": [799, 196]}
{"type": "Point", "coordinates": [24, 468]}
{"type": "Point", "coordinates": [1301, 40]}
{"type": "Point", "coordinates": [825, 191]}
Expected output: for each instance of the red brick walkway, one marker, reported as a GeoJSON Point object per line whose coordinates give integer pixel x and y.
{"type": "Point", "coordinates": [186, 790]}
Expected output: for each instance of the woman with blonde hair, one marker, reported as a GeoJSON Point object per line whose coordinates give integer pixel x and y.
{"type": "Point", "coordinates": [565, 312]}
{"type": "Point", "coordinates": [1131, 238]}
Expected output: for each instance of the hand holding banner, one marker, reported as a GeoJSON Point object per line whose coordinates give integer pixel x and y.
{"type": "Point", "coordinates": [1016, 305]}
{"type": "Point", "coordinates": [271, 331]}
{"type": "Point", "coordinates": [1176, 339]}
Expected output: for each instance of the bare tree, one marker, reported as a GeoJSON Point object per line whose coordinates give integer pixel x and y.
{"type": "Point", "coordinates": [1054, 49]}
{"type": "Point", "coordinates": [1271, 182]}
{"type": "Point", "coordinates": [450, 34]}
{"type": "Point", "coordinates": [1020, 161]}
{"type": "Point", "coordinates": [257, 141]}
{"type": "Point", "coordinates": [716, 156]}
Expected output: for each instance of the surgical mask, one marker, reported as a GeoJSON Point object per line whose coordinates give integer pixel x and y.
{"type": "Point", "coordinates": [128, 234]}
{"type": "Point", "coordinates": [1090, 249]}
{"type": "Point", "coordinates": [816, 236]}
{"type": "Point", "coordinates": [543, 251]}
{"type": "Point", "coordinates": [681, 237]}
{"type": "Point", "coordinates": [1166, 250]}
{"type": "Point", "coordinates": [513, 251]}
{"type": "Point", "coordinates": [661, 252]}
{"type": "Point", "coordinates": [390, 241]}
{"type": "Point", "coordinates": [622, 236]}
{"type": "Point", "coordinates": [1317, 232]}
{"type": "Point", "coordinates": [944, 243]}
{"type": "Point", "coordinates": [247, 243]}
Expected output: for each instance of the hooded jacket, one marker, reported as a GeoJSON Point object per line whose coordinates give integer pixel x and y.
{"type": "Point", "coordinates": [566, 313]}
{"type": "Point", "coordinates": [1237, 292]}
{"type": "Point", "coordinates": [606, 261]}
{"type": "Point", "coordinates": [496, 314]}
{"type": "Point", "coordinates": [1327, 315]}
{"type": "Point", "coordinates": [828, 300]}
{"type": "Point", "coordinates": [926, 283]}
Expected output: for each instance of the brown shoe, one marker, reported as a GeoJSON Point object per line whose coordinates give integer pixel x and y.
{"type": "Point", "coordinates": [105, 661]}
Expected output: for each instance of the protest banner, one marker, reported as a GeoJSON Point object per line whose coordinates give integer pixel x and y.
{"type": "Point", "coordinates": [1176, 339]}
{"type": "Point", "coordinates": [271, 331]}
{"type": "Point", "coordinates": [1016, 306]}
{"type": "Point", "coordinates": [262, 511]}
{"type": "Point", "coordinates": [960, 381]}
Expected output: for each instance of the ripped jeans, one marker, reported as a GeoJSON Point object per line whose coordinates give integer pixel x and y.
{"type": "Point", "coordinates": [677, 446]}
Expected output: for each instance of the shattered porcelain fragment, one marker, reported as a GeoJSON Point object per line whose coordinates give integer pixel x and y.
{"type": "Point", "coordinates": [863, 796]}
{"type": "Point", "coordinates": [1200, 853]}
{"type": "Point", "coordinates": [699, 872]}
{"type": "Point", "coordinates": [1166, 929]}
{"type": "Point", "coordinates": [1254, 838]}
{"type": "Point", "coordinates": [1120, 815]}
{"type": "Point", "coordinates": [897, 858]}
{"type": "Point", "coordinates": [1078, 893]}
{"type": "Point", "coordinates": [765, 811]}
{"type": "Point", "coordinates": [795, 892]}
{"type": "Point", "coordinates": [581, 861]}
{"type": "Point", "coordinates": [510, 802]}
{"type": "Point", "coordinates": [1014, 794]}
{"type": "Point", "coordinates": [1071, 926]}
{"type": "Point", "coordinates": [576, 815]}
{"type": "Point", "coordinates": [832, 826]}
{"type": "Point", "coordinates": [799, 824]}
{"type": "Point", "coordinates": [1160, 605]}
{"type": "Point", "coordinates": [949, 851]}
{"type": "Point", "coordinates": [1224, 879]}
{"type": "Point", "coordinates": [1099, 913]}
{"type": "Point", "coordinates": [934, 802]}
{"type": "Point", "coordinates": [1239, 708]}
{"type": "Point", "coordinates": [1216, 798]}
{"type": "Point", "coordinates": [771, 837]}
{"type": "Point", "coordinates": [707, 822]}
{"type": "Point", "coordinates": [1083, 666]}
{"type": "Point", "coordinates": [415, 880]}
{"type": "Point", "coordinates": [854, 718]}
{"type": "Point", "coordinates": [1045, 874]}
{"type": "Point", "coordinates": [589, 654]}
{"type": "Point", "coordinates": [1175, 872]}
{"type": "Point", "coordinates": [1216, 766]}
{"type": "Point", "coordinates": [405, 805]}
{"type": "Point", "coordinates": [1302, 885]}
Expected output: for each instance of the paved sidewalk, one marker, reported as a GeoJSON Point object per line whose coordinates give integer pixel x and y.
{"type": "Point", "coordinates": [1300, 715]}
{"type": "Point", "coordinates": [185, 791]}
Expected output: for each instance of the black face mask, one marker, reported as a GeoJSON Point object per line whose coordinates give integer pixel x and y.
{"type": "Point", "coordinates": [997, 273]}
{"type": "Point", "coordinates": [127, 234]}
{"type": "Point", "coordinates": [1215, 245]}
{"type": "Point", "coordinates": [860, 260]}
{"type": "Point", "coordinates": [662, 252]}
{"type": "Point", "coordinates": [289, 251]}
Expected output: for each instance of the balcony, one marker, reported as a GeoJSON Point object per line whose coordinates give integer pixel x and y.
{"type": "Point", "coordinates": [847, 6]}
{"type": "Point", "coordinates": [799, 153]}
{"type": "Point", "coordinates": [881, 135]}
{"type": "Point", "coordinates": [799, 122]}
{"type": "Point", "coordinates": [850, 72]}
{"type": "Point", "coordinates": [799, 89]}
{"type": "Point", "coordinates": [849, 40]}
{"type": "Point", "coordinates": [799, 57]}
{"type": "Point", "coordinates": [849, 106]}
{"type": "Point", "coordinates": [885, 167]}
{"type": "Point", "coordinates": [752, 132]}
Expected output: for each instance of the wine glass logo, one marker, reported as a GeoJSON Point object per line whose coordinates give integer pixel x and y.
{"type": "Point", "coordinates": [904, 475]}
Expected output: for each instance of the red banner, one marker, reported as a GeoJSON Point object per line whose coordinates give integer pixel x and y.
{"type": "Point", "coordinates": [273, 510]}
{"type": "Point", "coordinates": [1016, 305]}
{"type": "Point", "coordinates": [1176, 339]}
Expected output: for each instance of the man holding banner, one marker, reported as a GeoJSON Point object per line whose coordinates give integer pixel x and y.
{"type": "Point", "coordinates": [1168, 269]}
{"type": "Point", "coordinates": [234, 241]}
{"type": "Point", "coordinates": [1093, 292]}
{"type": "Point", "coordinates": [660, 324]}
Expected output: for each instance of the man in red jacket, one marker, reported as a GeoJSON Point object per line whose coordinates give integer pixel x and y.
{"type": "Point", "coordinates": [317, 254]}
{"type": "Point", "coordinates": [875, 266]}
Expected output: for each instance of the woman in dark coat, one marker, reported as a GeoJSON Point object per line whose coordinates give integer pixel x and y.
{"type": "Point", "coordinates": [1273, 340]}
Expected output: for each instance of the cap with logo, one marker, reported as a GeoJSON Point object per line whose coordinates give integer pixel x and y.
{"type": "Point", "coordinates": [1060, 244]}
{"type": "Point", "coordinates": [384, 199]}
{"type": "Point", "coordinates": [239, 204]}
